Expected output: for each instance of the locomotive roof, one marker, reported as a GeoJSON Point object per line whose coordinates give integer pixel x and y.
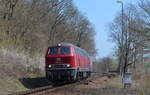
{"type": "Point", "coordinates": [64, 44]}
{"type": "Point", "coordinates": [69, 44]}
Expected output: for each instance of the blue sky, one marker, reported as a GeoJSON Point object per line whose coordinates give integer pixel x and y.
{"type": "Point", "coordinates": [101, 13]}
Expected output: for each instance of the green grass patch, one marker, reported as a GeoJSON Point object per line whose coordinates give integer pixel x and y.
{"type": "Point", "coordinates": [31, 75]}
{"type": "Point", "coordinates": [20, 86]}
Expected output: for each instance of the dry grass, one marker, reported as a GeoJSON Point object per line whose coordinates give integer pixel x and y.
{"type": "Point", "coordinates": [141, 78]}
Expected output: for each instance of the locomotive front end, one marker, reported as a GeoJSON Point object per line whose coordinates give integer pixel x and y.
{"type": "Point", "coordinates": [60, 64]}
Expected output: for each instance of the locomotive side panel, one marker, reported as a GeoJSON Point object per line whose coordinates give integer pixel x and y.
{"type": "Point", "coordinates": [83, 63]}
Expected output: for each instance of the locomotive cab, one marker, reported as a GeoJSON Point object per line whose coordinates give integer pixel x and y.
{"type": "Point", "coordinates": [60, 64]}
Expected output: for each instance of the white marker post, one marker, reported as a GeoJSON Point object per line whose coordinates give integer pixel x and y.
{"type": "Point", "coordinates": [127, 81]}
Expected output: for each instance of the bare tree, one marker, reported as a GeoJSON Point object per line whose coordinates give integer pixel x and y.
{"type": "Point", "coordinates": [131, 38]}
{"type": "Point", "coordinates": [32, 25]}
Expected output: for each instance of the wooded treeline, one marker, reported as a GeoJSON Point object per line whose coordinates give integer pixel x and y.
{"type": "Point", "coordinates": [33, 25]}
{"type": "Point", "coordinates": [134, 46]}
{"type": "Point", "coordinates": [105, 65]}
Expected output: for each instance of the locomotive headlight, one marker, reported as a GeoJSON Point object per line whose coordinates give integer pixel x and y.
{"type": "Point", "coordinates": [68, 65]}
{"type": "Point", "coordinates": [49, 66]}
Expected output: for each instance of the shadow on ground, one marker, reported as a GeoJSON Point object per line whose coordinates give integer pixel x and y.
{"type": "Point", "coordinates": [32, 83]}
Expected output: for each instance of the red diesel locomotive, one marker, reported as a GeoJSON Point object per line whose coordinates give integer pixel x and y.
{"type": "Point", "coordinates": [66, 62]}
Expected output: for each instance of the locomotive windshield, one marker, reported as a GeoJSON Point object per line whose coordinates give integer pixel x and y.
{"type": "Point", "coordinates": [64, 50]}
{"type": "Point", "coordinates": [53, 51]}
{"type": "Point", "coordinates": [60, 50]}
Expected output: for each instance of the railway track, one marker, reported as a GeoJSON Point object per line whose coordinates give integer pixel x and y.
{"type": "Point", "coordinates": [47, 89]}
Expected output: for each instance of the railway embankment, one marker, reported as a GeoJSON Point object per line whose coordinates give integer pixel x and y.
{"type": "Point", "coordinates": [18, 72]}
